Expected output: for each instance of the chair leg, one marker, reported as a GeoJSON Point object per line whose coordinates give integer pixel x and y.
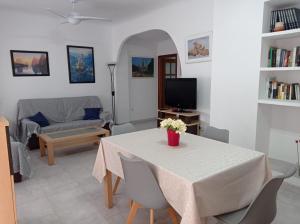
{"type": "Point", "coordinates": [116, 185]}
{"type": "Point", "coordinates": [151, 216]}
{"type": "Point", "coordinates": [135, 206]}
{"type": "Point", "coordinates": [173, 215]}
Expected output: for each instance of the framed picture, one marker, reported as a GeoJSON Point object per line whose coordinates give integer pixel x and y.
{"type": "Point", "coordinates": [198, 48]}
{"type": "Point", "coordinates": [142, 67]}
{"type": "Point", "coordinates": [81, 64]}
{"type": "Point", "coordinates": [29, 63]}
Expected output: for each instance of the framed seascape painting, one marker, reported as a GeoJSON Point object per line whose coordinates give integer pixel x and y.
{"type": "Point", "coordinates": [29, 63]}
{"type": "Point", "coordinates": [198, 48]}
{"type": "Point", "coordinates": [81, 64]}
{"type": "Point", "coordinates": [142, 67]}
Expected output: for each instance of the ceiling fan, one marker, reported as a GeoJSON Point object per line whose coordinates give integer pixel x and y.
{"type": "Point", "coordinates": [74, 17]}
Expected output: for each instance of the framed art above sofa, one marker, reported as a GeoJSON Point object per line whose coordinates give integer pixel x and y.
{"type": "Point", "coordinates": [81, 64]}
{"type": "Point", "coordinates": [29, 63]}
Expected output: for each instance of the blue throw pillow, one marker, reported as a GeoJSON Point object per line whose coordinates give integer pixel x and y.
{"type": "Point", "coordinates": [40, 119]}
{"type": "Point", "coordinates": [92, 113]}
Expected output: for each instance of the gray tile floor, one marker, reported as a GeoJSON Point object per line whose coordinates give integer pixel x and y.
{"type": "Point", "coordinates": [67, 193]}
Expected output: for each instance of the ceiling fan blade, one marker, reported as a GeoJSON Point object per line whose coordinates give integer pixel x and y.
{"type": "Point", "coordinates": [56, 13]}
{"type": "Point", "coordinates": [91, 18]}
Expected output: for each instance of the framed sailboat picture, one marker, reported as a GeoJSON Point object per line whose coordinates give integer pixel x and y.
{"type": "Point", "coordinates": [81, 64]}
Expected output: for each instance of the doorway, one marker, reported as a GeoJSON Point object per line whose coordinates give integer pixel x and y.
{"type": "Point", "coordinates": [167, 69]}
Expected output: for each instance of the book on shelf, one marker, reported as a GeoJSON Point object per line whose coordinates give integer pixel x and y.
{"type": "Point", "coordinates": [283, 91]}
{"type": "Point", "coordinates": [290, 18]}
{"type": "Point", "coordinates": [284, 58]}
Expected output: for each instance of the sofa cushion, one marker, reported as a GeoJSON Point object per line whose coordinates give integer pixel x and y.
{"type": "Point", "coordinates": [40, 119]}
{"type": "Point", "coordinates": [92, 113]}
{"type": "Point", "coordinates": [71, 125]}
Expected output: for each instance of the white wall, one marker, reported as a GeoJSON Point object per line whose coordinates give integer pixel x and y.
{"type": "Point", "coordinates": [136, 98]}
{"type": "Point", "coordinates": [235, 68]}
{"type": "Point", "coordinates": [179, 20]}
{"type": "Point", "coordinates": [22, 31]}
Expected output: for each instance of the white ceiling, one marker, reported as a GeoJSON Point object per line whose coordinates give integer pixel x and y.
{"type": "Point", "coordinates": [115, 9]}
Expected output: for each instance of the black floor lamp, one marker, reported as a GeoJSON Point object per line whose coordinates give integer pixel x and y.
{"type": "Point", "coordinates": [111, 66]}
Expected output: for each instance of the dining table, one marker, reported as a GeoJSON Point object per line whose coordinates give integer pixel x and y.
{"type": "Point", "coordinates": [199, 178]}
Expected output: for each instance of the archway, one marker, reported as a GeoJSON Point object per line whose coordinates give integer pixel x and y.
{"type": "Point", "coordinates": [136, 84]}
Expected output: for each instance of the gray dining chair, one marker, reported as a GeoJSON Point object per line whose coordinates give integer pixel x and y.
{"type": "Point", "coordinates": [217, 134]}
{"type": "Point", "coordinates": [118, 130]}
{"type": "Point", "coordinates": [263, 208]}
{"type": "Point", "coordinates": [142, 187]}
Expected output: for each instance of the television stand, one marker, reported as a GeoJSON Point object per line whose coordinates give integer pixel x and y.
{"type": "Point", "coordinates": [179, 110]}
{"type": "Point", "coordinates": [191, 118]}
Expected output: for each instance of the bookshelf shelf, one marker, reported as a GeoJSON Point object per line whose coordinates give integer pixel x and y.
{"type": "Point", "coordinates": [282, 34]}
{"type": "Point", "coordinates": [286, 103]}
{"type": "Point", "coordinates": [279, 69]}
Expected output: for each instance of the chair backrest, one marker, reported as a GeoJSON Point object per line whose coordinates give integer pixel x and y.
{"type": "Point", "coordinates": [141, 185]}
{"type": "Point", "coordinates": [263, 209]}
{"type": "Point", "coordinates": [122, 129]}
{"type": "Point", "coordinates": [221, 135]}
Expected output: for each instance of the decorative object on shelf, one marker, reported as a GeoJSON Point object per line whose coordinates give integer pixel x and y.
{"type": "Point", "coordinates": [111, 67]}
{"type": "Point", "coordinates": [142, 67]}
{"type": "Point", "coordinates": [81, 64]}
{"type": "Point", "coordinates": [198, 48]}
{"type": "Point", "coordinates": [29, 63]}
{"type": "Point", "coordinates": [298, 157]}
{"type": "Point", "coordinates": [284, 19]}
{"type": "Point", "coordinates": [174, 129]}
{"type": "Point", "coordinates": [279, 26]}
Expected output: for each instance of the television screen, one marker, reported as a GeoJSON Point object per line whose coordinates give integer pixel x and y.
{"type": "Point", "coordinates": [181, 93]}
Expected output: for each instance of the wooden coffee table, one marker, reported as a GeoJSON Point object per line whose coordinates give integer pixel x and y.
{"type": "Point", "coordinates": [73, 137]}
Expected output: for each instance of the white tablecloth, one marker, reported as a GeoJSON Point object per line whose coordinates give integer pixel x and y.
{"type": "Point", "coordinates": [200, 178]}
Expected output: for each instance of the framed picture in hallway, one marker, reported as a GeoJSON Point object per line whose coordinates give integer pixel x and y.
{"type": "Point", "coordinates": [29, 63]}
{"type": "Point", "coordinates": [142, 67]}
{"type": "Point", "coordinates": [81, 64]}
{"type": "Point", "coordinates": [198, 48]}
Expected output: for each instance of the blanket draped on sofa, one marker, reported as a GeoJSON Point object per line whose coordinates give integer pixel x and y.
{"type": "Point", "coordinates": [62, 114]}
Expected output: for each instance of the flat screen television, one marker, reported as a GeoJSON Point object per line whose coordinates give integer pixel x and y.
{"type": "Point", "coordinates": [181, 93]}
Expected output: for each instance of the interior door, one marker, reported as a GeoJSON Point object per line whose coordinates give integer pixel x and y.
{"type": "Point", "coordinates": [167, 68]}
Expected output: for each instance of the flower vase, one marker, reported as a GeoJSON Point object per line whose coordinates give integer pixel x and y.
{"type": "Point", "coordinates": [173, 138]}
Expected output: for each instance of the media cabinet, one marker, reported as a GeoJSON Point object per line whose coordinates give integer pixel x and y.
{"type": "Point", "coordinates": [192, 119]}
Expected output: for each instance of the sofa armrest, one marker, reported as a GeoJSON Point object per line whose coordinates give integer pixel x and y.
{"type": "Point", "coordinates": [106, 116]}
{"type": "Point", "coordinates": [28, 128]}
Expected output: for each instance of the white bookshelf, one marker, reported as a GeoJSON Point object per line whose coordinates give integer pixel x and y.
{"type": "Point", "coordinates": [279, 69]}
{"type": "Point", "coordinates": [277, 120]}
{"type": "Point", "coordinates": [281, 35]}
{"type": "Point", "coordinates": [285, 103]}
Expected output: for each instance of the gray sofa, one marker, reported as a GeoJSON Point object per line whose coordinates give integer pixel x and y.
{"type": "Point", "coordinates": [20, 156]}
{"type": "Point", "coordinates": [62, 114]}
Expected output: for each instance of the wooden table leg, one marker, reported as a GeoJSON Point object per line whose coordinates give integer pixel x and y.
{"type": "Point", "coordinates": [42, 147]}
{"type": "Point", "coordinates": [117, 183]}
{"type": "Point", "coordinates": [108, 189]}
{"type": "Point", "coordinates": [50, 150]}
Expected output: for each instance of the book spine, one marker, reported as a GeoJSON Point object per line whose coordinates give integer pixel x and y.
{"type": "Point", "coordinates": [286, 25]}
{"type": "Point", "coordinates": [274, 57]}
{"type": "Point", "coordinates": [272, 21]}
{"type": "Point", "coordinates": [289, 19]}
{"type": "Point", "coordinates": [287, 11]}
{"type": "Point", "coordinates": [275, 19]}
{"type": "Point", "coordinates": [297, 61]}
{"type": "Point", "coordinates": [278, 56]}
{"type": "Point", "coordinates": [296, 25]}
